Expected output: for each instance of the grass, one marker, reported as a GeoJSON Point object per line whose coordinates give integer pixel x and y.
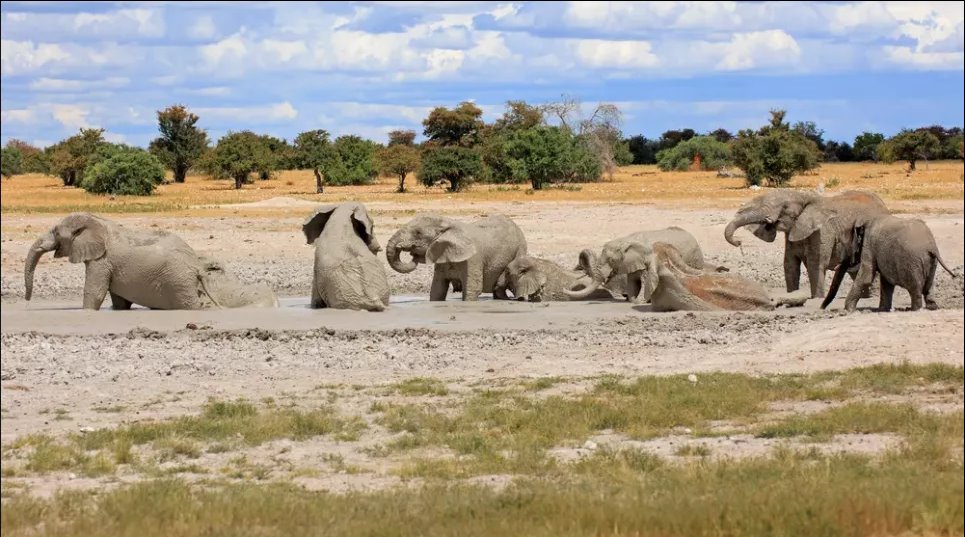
{"type": "Point", "coordinates": [421, 386]}
{"type": "Point", "coordinates": [220, 423]}
{"type": "Point", "coordinates": [864, 418]}
{"type": "Point", "coordinates": [693, 450]}
{"type": "Point", "coordinates": [612, 493]}
{"type": "Point", "coordinates": [42, 194]}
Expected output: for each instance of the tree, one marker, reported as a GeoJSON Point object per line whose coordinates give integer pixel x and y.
{"type": "Point", "coordinates": [402, 137]}
{"type": "Point", "coordinates": [459, 126]}
{"type": "Point", "coordinates": [713, 154]}
{"type": "Point", "coordinates": [518, 116]}
{"type": "Point", "coordinates": [128, 172]}
{"type": "Point", "coordinates": [866, 145]}
{"type": "Point", "coordinates": [314, 151]}
{"type": "Point", "coordinates": [69, 158]}
{"type": "Point", "coordinates": [643, 149]}
{"type": "Point", "coordinates": [456, 165]}
{"type": "Point", "coordinates": [540, 154]}
{"type": "Point", "coordinates": [354, 162]}
{"type": "Point", "coordinates": [810, 130]}
{"type": "Point", "coordinates": [281, 153]}
{"type": "Point", "coordinates": [911, 146]}
{"type": "Point", "coordinates": [34, 159]}
{"type": "Point", "coordinates": [774, 152]}
{"type": "Point", "coordinates": [11, 162]}
{"type": "Point", "coordinates": [238, 154]}
{"type": "Point", "coordinates": [399, 160]}
{"type": "Point", "coordinates": [953, 148]}
{"type": "Point", "coordinates": [181, 142]}
{"type": "Point", "coordinates": [673, 137]}
{"type": "Point", "coordinates": [721, 135]}
{"type": "Point", "coordinates": [838, 151]}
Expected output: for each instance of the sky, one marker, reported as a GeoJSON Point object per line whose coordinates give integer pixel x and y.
{"type": "Point", "coordinates": [370, 67]}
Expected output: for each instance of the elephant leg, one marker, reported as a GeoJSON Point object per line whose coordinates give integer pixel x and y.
{"type": "Point", "coordinates": [916, 301]}
{"type": "Point", "coordinates": [97, 281]}
{"type": "Point", "coordinates": [440, 287]}
{"type": "Point", "coordinates": [633, 288]}
{"type": "Point", "coordinates": [863, 279]}
{"type": "Point", "coordinates": [119, 303]}
{"type": "Point", "coordinates": [816, 266]}
{"type": "Point", "coordinates": [473, 283]}
{"type": "Point", "coordinates": [929, 281]}
{"type": "Point", "coordinates": [792, 269]}
{"type": "Point", "coordinates": [317, 301]}
{"type": "Point", "coordinates": [887, 293]}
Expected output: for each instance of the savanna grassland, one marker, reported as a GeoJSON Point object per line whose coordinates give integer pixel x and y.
{"type": "Point", "coordinates": [479, 418]}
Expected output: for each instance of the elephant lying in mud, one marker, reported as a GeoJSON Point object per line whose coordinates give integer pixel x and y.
{"type": "Point", "coordinates": [902, 250]}
{"type": "Point", "coordinates": [537, 280]}
{"type": "Point", "coordinates": [469, 256]}
{"type": "Point", "coordinates": [669, 283]}
{"type": "Point", "coordinates": [608, 270]}
{"type": "Point", "coordinates": [810, 235]}
{"type": "Point", "coordinates": [347, 274]}
{"type": "Point", "coordinates": [155, 269]}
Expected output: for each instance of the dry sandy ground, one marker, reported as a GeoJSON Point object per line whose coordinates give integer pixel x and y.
{"type": "Point", "coordinates": [147, 363]}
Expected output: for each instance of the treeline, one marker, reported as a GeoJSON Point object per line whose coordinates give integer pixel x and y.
{"type": "Point", "coordinates": [550, 143]}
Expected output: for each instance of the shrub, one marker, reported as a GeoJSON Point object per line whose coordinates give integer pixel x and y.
{"type": "Point", "coordinates": [69, 158]}
{"type": "Point", "coordinates": [773, 153]}
{"type": "Point", "coordinates": [866, 145]}
{"type": "Point", "coordinates": [458, 166]}
{"type": "Point", "coordinates": [540, 154]}
{"type": "Point", "coordinates": [713, 154]}
{"type": "Point", "coordinates": [181, 142]}
{"type": "Point", "coordinates": [314, 151]}
{"type": "Point", "coordinates": [237, 155]}
{"type": "Point", "coordinates": [11, 162]}
{"type": "Point", "coordinates": [129, 172]}
{"type": "Point", "coordinates": [354, 163]}
{"type": "Point", "coordinates": [911, 146]}
{"type": "Point", "coordinates": [398, 160]}
{"type": "Point", "coordinates": [33, 159]}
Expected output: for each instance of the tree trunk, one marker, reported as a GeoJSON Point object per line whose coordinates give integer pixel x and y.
{"type": "Point", "coordinates": [180, 173]}
{"type": "Point", "coordinates": [401, 183]}
{"type": "Point", "coordinates": [239, 180]}
{"type": "Point", "coordinates": [911, 165]}
{"type": "Point", "coordinates": [319, 186]}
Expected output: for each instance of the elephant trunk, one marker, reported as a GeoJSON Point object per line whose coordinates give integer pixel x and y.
{"type": "Point", "coordinates": [589, 265]}
{"type": "Point", "coordinates": [589, 287]}
{"type": "Point", "coordinates": [740, 221]}
{"type": "Point", "coordinates": [393, 253]}
{"type": "Point", "coordinates": [41, 246]}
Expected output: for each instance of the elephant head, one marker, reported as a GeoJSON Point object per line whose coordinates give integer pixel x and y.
{"type": "Point", "coordinates": [346, 214]}
{"type": "Point", "coordinates": [80, 237]}
{"type": "Point", "coordinates": [428, 239]}
{"type": "Point", "coordinates": [602, 269]}
{"type": "Point", "coordinates": [524, 278]}
{"type": "Point", "coordinates": [850, 242]}
{"type": "Point", "coordinates": [783, 210]}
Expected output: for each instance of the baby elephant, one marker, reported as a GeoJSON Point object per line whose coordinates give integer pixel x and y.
{"type": "Point", "coordinates": [901, 250]}
{"type": "Point", "coordinates": [347, 273]}
{"type": "Point", "coordinates": [670, 284]}
{"type": "Point", "coordinates": [535, 280]}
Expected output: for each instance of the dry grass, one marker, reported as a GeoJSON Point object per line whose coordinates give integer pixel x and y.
{"type": "Point", "coordinates": [631, 184]}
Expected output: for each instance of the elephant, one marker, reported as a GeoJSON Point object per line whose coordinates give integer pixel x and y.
{"type": "Point", "coordinates": [535, 280]}
{"type": "Point", "coordinates": [155, 269]}
{"type": "Point", "coordinates": [803, 217]}
{"type": "Point", "coordinates": [901, 250]}
{"type": "Point", "coordinates": [669, 283]}
{"type": "Point", "coordinates": [347, 273]}
{"type": "Point", "coordinates": [607, 270]}
{"type": "Point", "coordinates": [470, 256]}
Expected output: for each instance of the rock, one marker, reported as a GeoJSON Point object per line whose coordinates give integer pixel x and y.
{"type": "Point", "coordinates": [589, 444]}
{"type": "Point", "coordinates": [692, 378]}
{"type": "Point", "coordinates": [755, 188]}
{"type": "Point", "coordinates": [191, 326]}
{"type": "Point", "coordinates": [86, 429]}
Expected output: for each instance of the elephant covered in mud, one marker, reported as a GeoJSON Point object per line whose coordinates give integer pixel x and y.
{"type": "Point", "coordinates": [810, 236]}
{"type": "Point", "coordinates": [154, 269]}
{"type": "Point", "coordinates": [901, 250]}
{"type": "Point", "coordinates": [608, 269]}
{"type": "Point", "coordinates": [669, 283]}
{"type": "Point", "coordinates": [468, 256]}
{"type": "Point", "coordinates": [347, 274]}
{"type": "Point", "coordinates": [536, 280]}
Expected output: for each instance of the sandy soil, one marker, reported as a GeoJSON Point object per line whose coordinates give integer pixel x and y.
{"type": "Point", "coordinates": [151, 364]}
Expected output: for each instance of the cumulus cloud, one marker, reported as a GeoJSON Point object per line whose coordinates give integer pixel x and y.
{"type": "Point", "coordinates": [759, 49]}
{"type": "Point", "coordinates": [70, 115]}
{"type": "Point", "coordinates": [244, 115]}
{"type": "Point", "coordinates": [69, 85]}
{"type": "Point", "coordinates": [616, 54]}
{"type": "Point", "coordinates": [17, 57]}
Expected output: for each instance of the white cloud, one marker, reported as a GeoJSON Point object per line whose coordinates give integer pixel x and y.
{"type": "Point", "coordinates": [232, 47]}
{"type": "Point", "coordinates": [759, 49]}
{"type": "Point", "coordinates": [145, 22]}
{"type": "Point", "coordinates": [908, 57]}
{"type": "Point", "coordinates": [284, 51]}
{"type": "Point", "coordinates": [212, 91]}
{"type": "Point", "coordinates": [249, 114]}
{"type": "Point", "coordinates": [67, 85]}
{"type": "Point", "coordinates": [115, 138]}
{"type": "Point", "coordinates": [17, 57]}
{"type": "Point", "coordinates": [616, 54]}
{"type": "Point", "coordinates": [18, 115]}
{"type": "Point", "coordinates": [70, 115]}
{"type": "Point", "coordinates": [203, 28]}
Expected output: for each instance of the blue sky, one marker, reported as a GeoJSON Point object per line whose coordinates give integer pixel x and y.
{"type": "Point", "coordinates": [370, 67]}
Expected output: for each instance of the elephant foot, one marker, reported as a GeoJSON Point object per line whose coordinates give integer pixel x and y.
{"type": "Point", "coordinates": [931, 305]}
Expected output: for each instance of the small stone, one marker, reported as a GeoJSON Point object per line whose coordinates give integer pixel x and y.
{"type": "Point", "coordinates": [86, 429]}
{"type": "Point", "coordinates": [589, 444]}
{"type": "Point", "coordinates": [692, 378]}
{"type": "Point", "coordinates": [191, 326]}
{"type": "Point", "coordinates": [72, 475]}
{"type": "Point", "coordinates": [490, 370]}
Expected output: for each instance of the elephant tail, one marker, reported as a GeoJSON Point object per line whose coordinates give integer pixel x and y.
{"type": "Point", "coordinates": [942, 263]}
{"type": "Point", "coordinates": [202, 280]}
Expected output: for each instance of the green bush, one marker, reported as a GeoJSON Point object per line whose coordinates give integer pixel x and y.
{"type": "Point", "coordinates": [774, 152]}
{"type": "Point", "coordinates": [540, 155]}
{"type": "Point", "coordinates": [11, 162]}
{"type": "Point", "coordinates": [129, 172]}
{"type": "Point", "coordinates": [911, 146]}
{"type": "Point", "coordinates": [455, 165]}
{"type": "Point", "coordinates": [354, 162]}
{"type": "Point", "coordinates": [713, 154]}
{"type": "Point", "coordinates": [237, 155]}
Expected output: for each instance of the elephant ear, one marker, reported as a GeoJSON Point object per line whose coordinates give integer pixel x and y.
{"type": "Point", "coordinates": [363, 227]}
{"type": "Point", "coordinates": [810, 220]}
{"type": "Point", "coordinates": [634, 258]}
{"type": "Point", "coordinates": [452, 246]}
{"type": "Point", "coordinates": [315, 223]}
{"type": "Point", "coordinates": [89, 242]}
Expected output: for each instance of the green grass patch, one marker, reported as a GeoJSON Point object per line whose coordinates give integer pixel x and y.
{"type": "Point", "coordinates": [864, 418]}
{"type": "Point", "coordinates": [421, 386]}
{"type": "Point", "coordinates": [611, 493]}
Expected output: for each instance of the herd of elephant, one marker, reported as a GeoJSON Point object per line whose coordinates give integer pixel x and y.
{"type": "Point", "coordinates": [852, 232]}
